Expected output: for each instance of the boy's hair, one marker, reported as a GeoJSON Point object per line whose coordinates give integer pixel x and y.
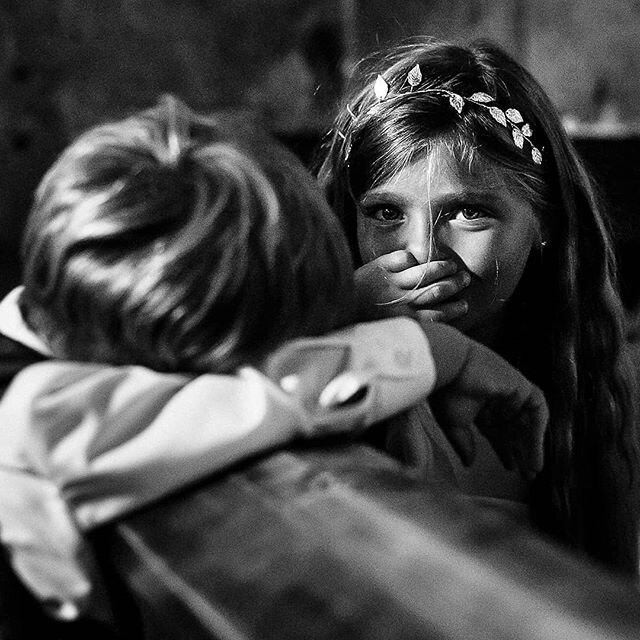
{"type": "Point", "coordinates": [182, 243]}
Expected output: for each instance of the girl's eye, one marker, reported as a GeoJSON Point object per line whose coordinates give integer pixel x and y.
{"type": "Point", "coordinates": [385, 215]}
{"type": "Point", "coordinates": [468, 214]}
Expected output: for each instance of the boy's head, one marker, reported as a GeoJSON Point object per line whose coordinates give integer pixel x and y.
{"type": "Point", "coordinates": [174, 241]}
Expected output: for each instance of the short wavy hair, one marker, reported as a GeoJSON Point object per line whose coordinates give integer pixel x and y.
{"type": "Point", "coordinates": [183, 243]}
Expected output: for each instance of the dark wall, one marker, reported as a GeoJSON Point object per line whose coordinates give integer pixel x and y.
{"type": "Point", "coordinates": [615, 163]}
{"type": "Point", "coordinates": [68, 64]}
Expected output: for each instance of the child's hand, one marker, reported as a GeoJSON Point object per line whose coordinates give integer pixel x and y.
{"type": "Point", "coordinates": [477, 386]}
{"type": "Point", "coordinates": [396, 284]}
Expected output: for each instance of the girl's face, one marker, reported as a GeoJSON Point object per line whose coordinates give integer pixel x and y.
{"type": "Point", "coordinates": [437, 210]}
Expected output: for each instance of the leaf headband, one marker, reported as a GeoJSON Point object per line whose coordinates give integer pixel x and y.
{"type": "Point", "coordinates": [521, 132]}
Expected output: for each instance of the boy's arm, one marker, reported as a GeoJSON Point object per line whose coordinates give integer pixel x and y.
{"type": "Point", "coordinates": [114, 438]}
{"type": "Point", "coordinates": [111, 439]}
{"type": "Point", "coordinates": [83, 443]}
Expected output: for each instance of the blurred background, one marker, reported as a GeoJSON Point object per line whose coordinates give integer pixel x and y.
{"type": "Point", "coordinates": [68, 64]}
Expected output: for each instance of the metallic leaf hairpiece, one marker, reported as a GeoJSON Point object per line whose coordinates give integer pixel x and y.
{"type": "Point", "coordinates": [381, 88]}
{"type": "Point", "coordinates": [510, 118]}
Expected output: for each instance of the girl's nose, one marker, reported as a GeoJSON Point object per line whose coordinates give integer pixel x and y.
{"type": "Point", "coordinates": [427, 246]}
{"type": "Point", "coordinates": [418, 241]}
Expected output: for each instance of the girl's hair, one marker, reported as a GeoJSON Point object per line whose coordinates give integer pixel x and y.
{"type": "Point", "coordinates": [564, 326]}
{"type": "Point", "coordinates": [183, 243]}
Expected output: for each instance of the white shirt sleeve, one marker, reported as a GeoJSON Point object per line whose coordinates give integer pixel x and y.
{"type": "Point", "coordinates": [104, 441]}
{"type": "Point", "coordinates": [113, 439]}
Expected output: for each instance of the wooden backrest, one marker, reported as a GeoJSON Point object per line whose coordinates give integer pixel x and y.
{"type": "Point", "coordinates": [340, 542]}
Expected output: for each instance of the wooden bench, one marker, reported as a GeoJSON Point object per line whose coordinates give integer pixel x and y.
{"type": "Point", "coordinates": [341, 543]}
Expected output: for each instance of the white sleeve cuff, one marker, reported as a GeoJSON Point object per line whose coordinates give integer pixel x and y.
{"type": "Point", "coordinates": [388, 361]}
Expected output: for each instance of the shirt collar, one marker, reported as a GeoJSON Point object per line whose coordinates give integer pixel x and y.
{"type": "Point", "coordinates": [13, 326]}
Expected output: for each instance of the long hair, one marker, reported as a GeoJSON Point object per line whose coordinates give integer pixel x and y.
{"type": "Point", "coordinates": [182, 243]}
{"type": "Point", "coordinates": [564, 323]}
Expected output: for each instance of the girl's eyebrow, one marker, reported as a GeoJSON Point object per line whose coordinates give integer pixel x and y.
{"type": "Point", "coordinates": [470, 196]}
{"type": "Point", "coordinates": [386, 197]}
{"type": "Point", "coordinates": [479, 197]}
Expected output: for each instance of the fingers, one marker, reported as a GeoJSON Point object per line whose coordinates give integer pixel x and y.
{"type": "Point", "coordinates": [443, 312]}
{"type": "Point", "coordinates": [515, 428]}
{"type": "Point", "coordinates": [435, 294]}
{"type": "Point", "coordinates": [422, 275]}
{"type": "Point", "coordinates": [528, 426]}
{"type": "Point", "coordinates": [395, 284]}
{"type": "Point", "coordinates": [427, 297]}
{"type": "Point", "coordinates": [455, 415]}
{"type": "Point", "coordinates": [507, 409]}
{"type": "Point", "coordinates": [446, 276]}
{"type": "Point", "coordinates": [539, 416]}
{"type": "Point", "coordinates": [463, 443]}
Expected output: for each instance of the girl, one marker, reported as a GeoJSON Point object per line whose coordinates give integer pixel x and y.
{"type": "Point", "coordinates": [465, 202]}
